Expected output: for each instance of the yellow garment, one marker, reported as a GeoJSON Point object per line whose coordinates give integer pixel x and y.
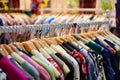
{"type": "Point", "coordinates": [106, 4]}
{"type": "Point", "coordinates": [5, 5]}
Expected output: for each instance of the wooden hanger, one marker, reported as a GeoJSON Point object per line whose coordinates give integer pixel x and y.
{"type": "Point", "coordinates": [43, 52]}
{"type": "Point", "coordinates": [86, 36]}
{"type": "Point", "coordinates": [13, 54]}
{"type": "Point", "coordinates": [4, 50]}
{"type": "Point", "coordinates": [81, 43]}
{"type": "Point", "coordinates": [59, 41]}
{"type": "Point", "coordinates": [15, 49]}
{"type": "Point", "coordinates": [8, 49]}
{"type": "Point", "coordinates": [45, 43]}
{"type": "Point", "coordinates": [54, 45]}
{"type": "Point", "coordinates": [63, 39]}
{"type": "Point", "coordinates": [51, 41]}
{"type": "Point", "coordinates": [19, 44]}
{"type": "Point", "coordinates": [73, 38]}
{"type": "Point", "coordinates": [36, 44]}
{"type": "Point", "coordinates": [46, 51]}
{"type": "Point", "coordinates": [34, 47]}
{"type": "Point", "coordinates": [28, 47]}
{"type": "Point", "coordinates": [83, 39]}
{"type": "Point", "coordinates": [42, 45]}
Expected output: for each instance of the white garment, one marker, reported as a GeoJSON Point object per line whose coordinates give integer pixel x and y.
{"type": "Point", "coordinates": [25, 5]}
{"type": "Point", "coordinates": [60, 50]}
{"type": "Point", "coordinates": [41, 57]}
{"type": "Point", "coordinates": [2, 75]}
{"type": "Point", "coordinates": [75, 65]}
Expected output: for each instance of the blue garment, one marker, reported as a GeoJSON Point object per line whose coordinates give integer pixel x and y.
{"type": "Point", "coordinates": [49, 20]}
{"type": "Point", "coordinates": [17, 65]}
{"type": "Point", "coordinates": [98, 65]}
{"type": "Point", "coordinates": [112, 44]}
{"type": "Point", "coordinates": [31, 70]}
{"type": "Point", "coordinates": [109, 62]}
{"type": "Point", "coordinates": [118, 1]}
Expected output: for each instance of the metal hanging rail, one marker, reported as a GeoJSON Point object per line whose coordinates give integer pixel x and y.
{"type": "Point", "coordinates": [8, 29]}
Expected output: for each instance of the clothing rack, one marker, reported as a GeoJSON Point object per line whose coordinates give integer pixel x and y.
{"type": "Point", "coordinates": [18, 28]}
{"type": "Point", "coordinates": [11, 10]}
{"type": "Point", "coordinates": [55, 10]}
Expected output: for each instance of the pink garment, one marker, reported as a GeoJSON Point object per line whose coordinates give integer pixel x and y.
{"type": "Point", "coordinates": [44, 75]}
{"type": "Point", "coordinates": [11, 70]}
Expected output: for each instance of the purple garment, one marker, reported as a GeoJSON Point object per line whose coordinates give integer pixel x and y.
{"type": "Point", "coordinates": [11, 70]}
{"type": "Point", "coordinates": [44, 75]}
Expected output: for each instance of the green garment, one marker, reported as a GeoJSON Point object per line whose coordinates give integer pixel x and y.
{"type": "Point", "coordinates": [50, 71]}
{"type": "Point", "coordinates": [95, 47]}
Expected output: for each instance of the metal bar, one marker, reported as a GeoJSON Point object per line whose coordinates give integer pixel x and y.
{"type": "Point", "coordinates": [45, 26]}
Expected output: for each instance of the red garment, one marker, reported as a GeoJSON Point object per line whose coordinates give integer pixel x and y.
{"type": "Point", "coordinates": [36, 6]}
{"type": "Point", "coordinates": [51, 60]}
{"type": "Point", "coordinates": [80, 58]}
{"type": "Point", "coordinates": [113, 50]}
{"type": "Point", "coordinates": [15, 3]}
{"type": "Point", "coordinates": [37, 2]}
{"type": "Point", "coordinates": [87, 3]}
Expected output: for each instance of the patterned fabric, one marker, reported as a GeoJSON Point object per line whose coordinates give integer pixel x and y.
{"type": "Point", "coordinates": [35, 6]}
{"type": "Point", "coordinates": [51, 60]}
{"type": "Point", "coordinates": [80, 58]}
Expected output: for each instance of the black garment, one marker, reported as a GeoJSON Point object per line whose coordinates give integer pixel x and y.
{"type": "Point", "coordinates": [70, 76]}
{"type": "Point", "coordinates": [77, 37]}
{"type": "Point", "coordinates": [1, 22]}
{"type": "Point", "coordinates": [68, 48]}
{"type": "Point", "coordinates": [1, 56]}
{"type": "Point", "coordinates": [20, 49]}
{"type": "Point", "coordinates": [73, 46]}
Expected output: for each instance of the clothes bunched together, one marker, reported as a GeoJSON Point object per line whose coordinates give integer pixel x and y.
{"type": "Point", "coordinates": [72, 57]}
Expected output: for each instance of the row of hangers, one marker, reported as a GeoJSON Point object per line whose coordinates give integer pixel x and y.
{"type": "Point", "coordinates": [14, 18]}
{"type": "Point", "coordinates": [38, 44]}
{"type": "Point", "coordinates": [51, 30]}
